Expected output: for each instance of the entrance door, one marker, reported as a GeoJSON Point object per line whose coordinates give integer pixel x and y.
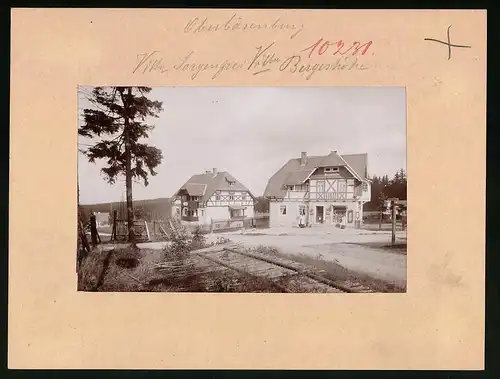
{"type": "Point", "coordinates": [339, 215]}
{"type": "Point", "coordinates": [319, 214]}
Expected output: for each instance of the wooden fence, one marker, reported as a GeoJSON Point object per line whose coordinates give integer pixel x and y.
{"type": "Point", "coordinates": [219, 226]}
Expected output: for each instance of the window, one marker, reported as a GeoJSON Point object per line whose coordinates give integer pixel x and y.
{"type": "Point", "coordinates": [184, 212]}
{"type": "Point", "coordinates": [217, 195]}
{"type": "Point", "coordinates": [202, 213]}
{"type": "Point", "coordinates": [243, 196]}
{"type": "Point", "coordinates": [329, 170]}
{"type": "Point", "coordinates": [302, 210]}
{"type": "Point", "coordinates": [231, 195]}
{"type": "Point", "coordinates": [236, 213]}
{"type": "Point", "coordinates": [283, 210]}
{"type": "Point", "coordinates": [320, 186]}
{"type": "Point", "coordinates": [365, 187]}
{"type": "Point", "coordinates": [342, 186]}
{"type": "Point", "coordinates": [302, 187]}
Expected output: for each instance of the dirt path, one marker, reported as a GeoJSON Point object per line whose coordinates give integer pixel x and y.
{"type": "Point", "coordinates": [346, 249]}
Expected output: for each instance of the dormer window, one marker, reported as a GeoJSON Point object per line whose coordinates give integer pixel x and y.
{"type": "Point", "coordinates": [230, 182]}
{"type": "Point", "coordinates": [331, 170]}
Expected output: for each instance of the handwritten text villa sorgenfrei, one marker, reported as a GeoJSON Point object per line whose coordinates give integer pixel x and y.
{"type": "Point", "coordinates": [322, 56]}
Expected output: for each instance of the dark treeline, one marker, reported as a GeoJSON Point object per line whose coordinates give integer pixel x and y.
{"type": "Point", "coordinates": [384, 187]}
{"type": "Point", "coordinates": [261, 204]}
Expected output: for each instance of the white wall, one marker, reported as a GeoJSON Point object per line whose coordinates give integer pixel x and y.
{"type": "Point", "coordinates": [276, 219]}
{"type": "Point", "coordinates": [292, 213]}
{"type": "Point", "coordinates": [366, 195]}
{"type": "Point", "coordinates": [217, 213]}
{"type": "Point", "coordinates": [220, 213]}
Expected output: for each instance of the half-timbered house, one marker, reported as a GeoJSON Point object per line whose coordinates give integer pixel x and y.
{"type": "Point", "coordinates": [213, 196]}
{"type": "Point", "coordinates": [329, 189]}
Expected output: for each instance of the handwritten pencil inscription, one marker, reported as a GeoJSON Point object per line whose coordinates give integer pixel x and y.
{"type": "Point", "coordinates": [237, 23]}
{"type": "Point", "coordinates": [149, 62]}
{"type": "Point", "coordinates": [319, 56]}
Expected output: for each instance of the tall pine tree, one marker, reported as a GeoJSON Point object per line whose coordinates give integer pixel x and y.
{"type": "Point", "coordinates": [118, 119]}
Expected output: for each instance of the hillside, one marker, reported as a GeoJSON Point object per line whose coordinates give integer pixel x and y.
{"type": "Point", "coordinates": [152, 209]}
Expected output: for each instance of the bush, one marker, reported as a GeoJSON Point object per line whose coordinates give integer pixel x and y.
{"type": "Point", "coordinates": [198, 241]}
{"type": "Point", "coordinates": [179, 246]}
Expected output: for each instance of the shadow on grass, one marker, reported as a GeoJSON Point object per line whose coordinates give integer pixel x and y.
{"type": "Point", "coordinates": [398, 247]}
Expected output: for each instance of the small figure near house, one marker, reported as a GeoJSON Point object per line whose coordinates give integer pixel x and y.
{"type": "Point", "coordinates": [301, 222]}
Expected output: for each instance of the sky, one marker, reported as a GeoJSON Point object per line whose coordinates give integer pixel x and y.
{"type": "Point", "coordinates": [251, 132]}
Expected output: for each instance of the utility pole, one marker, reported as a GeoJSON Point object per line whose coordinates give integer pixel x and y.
{"type": "Point", "coordinates": [393, 217]}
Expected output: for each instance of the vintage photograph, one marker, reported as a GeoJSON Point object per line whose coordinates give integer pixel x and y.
{"type": "Point", "coordinates": [242, 189]}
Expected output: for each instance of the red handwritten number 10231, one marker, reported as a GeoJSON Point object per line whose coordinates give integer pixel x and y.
{"type": "Point", "coordinates": [320, 47]}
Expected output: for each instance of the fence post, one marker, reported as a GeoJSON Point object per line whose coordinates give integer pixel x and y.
{"type": "Point", "coordinates": [113, 231]}
{"type": "Point", "coordinates": [393, 237]}
{"type": "Point", "coordinates": [93, 229]}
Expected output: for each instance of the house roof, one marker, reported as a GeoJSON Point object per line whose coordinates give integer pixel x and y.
{"type": "Point", "coordinates": [293, 173]}
{"type": "Point", "coordinates": [204, 185]}
{"type": "Point", "coordinates": [195, 189]}
{"type": "Point", "coordinates": [358, 162]}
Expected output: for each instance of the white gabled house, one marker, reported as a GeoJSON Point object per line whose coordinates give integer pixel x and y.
{"type": "Point", "coordinates": [213, 196]}
{"type": "Point", "coordinates": [329, 189]}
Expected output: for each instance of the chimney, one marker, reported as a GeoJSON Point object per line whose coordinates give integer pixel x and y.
{"type": "Point", "coordinates": [214, 170]}
{"type": "Point", "coordinates": [303, 158]}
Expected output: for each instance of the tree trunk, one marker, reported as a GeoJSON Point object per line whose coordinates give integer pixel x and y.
{"type": "Point", "coordinates": [128, 172]}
